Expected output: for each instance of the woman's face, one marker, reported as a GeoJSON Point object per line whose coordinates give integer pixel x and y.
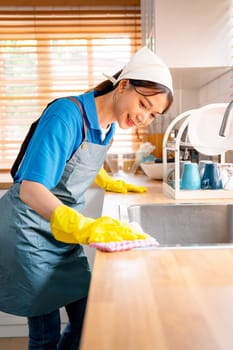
{"type": "Point", "coordinates": [136, 107]}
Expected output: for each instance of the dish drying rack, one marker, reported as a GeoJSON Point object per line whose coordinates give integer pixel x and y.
{"type": "Point", "coordinates": [174, 146]}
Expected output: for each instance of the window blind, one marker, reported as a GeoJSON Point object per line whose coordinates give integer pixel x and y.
{"type": "Point", "coordinates": [47, 53]}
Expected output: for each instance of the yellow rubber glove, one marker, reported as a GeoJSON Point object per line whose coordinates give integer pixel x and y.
{"type": "Point", "coordinates": [106, 182]}
{"type": "Point", "coordinates": [69, 226]}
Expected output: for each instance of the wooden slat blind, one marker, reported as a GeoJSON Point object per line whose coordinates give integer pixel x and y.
{"type": "Point", "coordinates": [49, 53]}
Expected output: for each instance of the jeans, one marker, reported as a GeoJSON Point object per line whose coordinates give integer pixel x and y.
{"type": "Point", "coordinates": [44, 331]}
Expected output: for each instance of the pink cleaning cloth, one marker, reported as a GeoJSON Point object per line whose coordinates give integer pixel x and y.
{"type": "Point", "coordinates": [125, 245]}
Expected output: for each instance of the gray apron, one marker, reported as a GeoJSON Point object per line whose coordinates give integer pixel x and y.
{"type": "Point", "coordinates": [39, 274]}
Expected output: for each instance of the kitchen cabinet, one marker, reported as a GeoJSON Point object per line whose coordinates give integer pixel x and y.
{"type": "Point", "coordinates": [194, 33]}
{"type": "Point", "coordinates": [194, 39]}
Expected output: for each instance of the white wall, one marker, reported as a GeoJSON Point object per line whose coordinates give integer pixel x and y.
{"type": "Point", "coordinates": [194, 33]}
{"type": "Point", "coordinates": [184, 100]}
{"type": "Point", "coordinates": [218, 90]}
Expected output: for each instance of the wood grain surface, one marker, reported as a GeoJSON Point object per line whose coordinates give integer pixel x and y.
{"type": "Point", "coordinates": [161, 300]}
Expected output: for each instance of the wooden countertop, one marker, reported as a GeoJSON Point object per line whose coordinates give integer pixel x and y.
{"type": "Point", "coordinates": [160, 299]}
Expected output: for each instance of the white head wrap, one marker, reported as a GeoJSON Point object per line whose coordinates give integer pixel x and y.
{"type": "Point", "coordinates": [146, 65]}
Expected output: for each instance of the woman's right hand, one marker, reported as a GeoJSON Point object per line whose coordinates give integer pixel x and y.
{"type": "Point", "coordinates": [69, 226]}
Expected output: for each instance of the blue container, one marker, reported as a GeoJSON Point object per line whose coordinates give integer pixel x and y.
{"type": "Point", "coordinates": [211, 179]}
{"type": "Point", "coordinates": [190, 179]}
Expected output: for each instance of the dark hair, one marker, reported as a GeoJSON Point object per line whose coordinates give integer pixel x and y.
{"type": "Point", "coordinates": [107, 86]}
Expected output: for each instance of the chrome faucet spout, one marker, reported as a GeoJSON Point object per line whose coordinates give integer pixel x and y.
{"type": "Point", "coordinates": [223, 126]}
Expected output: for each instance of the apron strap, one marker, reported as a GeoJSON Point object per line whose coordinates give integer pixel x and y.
{"type": "Point", "coordinates": [31, 131]}
{"type": "Point", "coordinates": [73, 99]}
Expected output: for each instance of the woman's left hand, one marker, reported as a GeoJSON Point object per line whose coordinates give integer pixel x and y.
{"type": "Point", "coordinates": [106, 182]}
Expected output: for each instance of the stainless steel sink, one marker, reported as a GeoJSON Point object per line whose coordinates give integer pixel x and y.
{"type": "Point", "coordinates": [186, 224]}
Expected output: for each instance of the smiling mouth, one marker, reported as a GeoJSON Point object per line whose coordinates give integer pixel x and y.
{"type": "Point", "coordinates": [130, 122]}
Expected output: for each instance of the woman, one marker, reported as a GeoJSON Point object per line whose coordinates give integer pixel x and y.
{"type": "Point", "coordinates": [42, 264]}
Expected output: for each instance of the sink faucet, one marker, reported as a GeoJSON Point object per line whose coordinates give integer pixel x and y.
{"type": "Point", "coordinates": [225, 119]}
